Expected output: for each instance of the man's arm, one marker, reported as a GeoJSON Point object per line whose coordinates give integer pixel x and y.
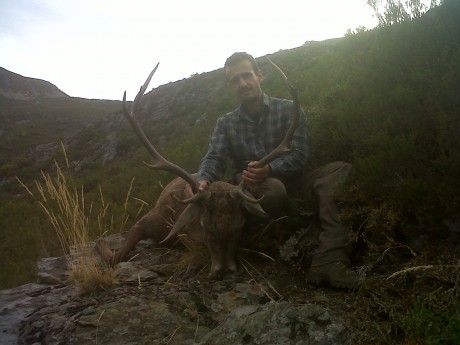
{"type": "Point", "coordinates": [213, 165]}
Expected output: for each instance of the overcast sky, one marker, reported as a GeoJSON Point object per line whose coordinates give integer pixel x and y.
{"type": "Point", "coordinates": [98, 49]}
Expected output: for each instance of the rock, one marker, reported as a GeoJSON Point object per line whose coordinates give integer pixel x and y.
{"type": "Point", "coordinates": [52, 271]}
{"type": "Point", "coordinates": [110, 150]}
{"type": "Point", "coordinates": [149, 322]}
{"type": "Point", "coordinates": [22, 302]}
{"type": "Point", "coordinates": [48, 279]}
{"type": "Point", "coordinates": [153, 304]}
{"type": "Point", "coordinates": [133, 272]}
{"type": "Point", "coordinates": [278, 323]}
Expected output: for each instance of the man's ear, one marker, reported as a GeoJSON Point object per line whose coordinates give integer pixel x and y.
{"type": "Point", "coordinates": [260, 76]}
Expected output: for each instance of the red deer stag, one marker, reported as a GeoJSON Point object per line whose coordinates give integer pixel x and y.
{"type": "Point", "coordinates": [215, 217]}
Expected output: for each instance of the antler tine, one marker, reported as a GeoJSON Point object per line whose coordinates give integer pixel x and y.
{"type": "Point", "coordinates": [160, 162]}
{"type": "Point", "coordinates": [284, 146]}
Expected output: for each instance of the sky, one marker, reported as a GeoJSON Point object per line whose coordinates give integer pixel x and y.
{"type": "Point", "coordinates": [97, 49]}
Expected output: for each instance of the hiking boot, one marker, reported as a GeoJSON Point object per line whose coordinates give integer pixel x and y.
{"type": "Point", "coordinates": [336, 274]}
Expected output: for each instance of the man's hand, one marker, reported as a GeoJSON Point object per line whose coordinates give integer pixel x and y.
{"type": "Point", "coordinates": [202, 186]}
{"type": "Point", "coordinates": [255, 175]}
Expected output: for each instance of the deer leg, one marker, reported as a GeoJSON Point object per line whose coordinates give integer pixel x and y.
{"type": "Point", "coordinates": [103, 249]}
{"type": "Point", "coordinates": [135, 234]}
{"type": "Point", "coordinates": [112, 258]}
{"type": "Point", "coordinates": [230, 248]}
{"type": "Point", "coordinates": [152, 225]}
{"type": "Point", "coordinates": [216, 258]}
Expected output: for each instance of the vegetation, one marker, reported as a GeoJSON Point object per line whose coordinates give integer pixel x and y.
{"type": "Point", "coordinates": [390, 12]}
{"type": "Point", "coordinates": [70, 218]}
{"type": "Point", "coordinates": [425, 326]}
{"type": "Point", "coordinates": [27, 124]}
{"type": "Point", "coordinates": [384, 99]}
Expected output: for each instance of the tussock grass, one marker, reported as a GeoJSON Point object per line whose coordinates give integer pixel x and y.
{"type": "Point", "coordinates": [70, 216]}
{"type": "Point", "coordinates": [196, 258]}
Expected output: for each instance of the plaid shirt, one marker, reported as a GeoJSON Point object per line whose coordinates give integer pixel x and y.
{"type": "Point", "coordinates": [242, 139]}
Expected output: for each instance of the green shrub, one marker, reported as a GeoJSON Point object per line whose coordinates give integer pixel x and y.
{"type": "Point", "coordinates": [424, 326]}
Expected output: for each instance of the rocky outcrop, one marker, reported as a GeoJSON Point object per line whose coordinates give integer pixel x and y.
{"type": "Point", "coordinates": [150, 305]}
{"type": "Point", "coordinates": [278, 323]}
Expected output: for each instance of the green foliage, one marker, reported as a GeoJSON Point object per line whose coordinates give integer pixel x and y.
{"type": "Point", "coordinates": [424, 326]}
{"type": "Point", "coordinates": [390, 109]}
{"type": "Point", "coordinates": [390, 12]}
{"type": "Point", "coordinates": [25, 238]}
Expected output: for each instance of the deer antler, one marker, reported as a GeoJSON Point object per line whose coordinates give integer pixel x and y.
{"type": "Point", "coordinates": [284, 146]}
{"type": "Point", "coordinates": [163, 164]}
{"type": "Point", "coordinates": [160, 162]}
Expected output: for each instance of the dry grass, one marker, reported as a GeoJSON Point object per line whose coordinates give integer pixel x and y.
{"type": "Point", "coordinates": [260, 280]}
{"type": "Point", "coordinates": [195, 260]}
{"type": "Point", "coordinates": [69, 216]}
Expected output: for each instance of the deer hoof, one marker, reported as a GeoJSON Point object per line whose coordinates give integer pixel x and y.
{"type": "Point", "coordinates": [103, 249]}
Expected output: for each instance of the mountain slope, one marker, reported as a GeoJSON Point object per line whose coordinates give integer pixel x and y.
{"type": "Point", "coordinates": [15, 86]}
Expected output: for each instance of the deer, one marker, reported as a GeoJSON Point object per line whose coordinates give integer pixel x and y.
{"type": "Point", "coordinates": [214, 217]}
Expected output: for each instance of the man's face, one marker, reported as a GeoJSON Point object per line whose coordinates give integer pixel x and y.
{"type": "Point", "coordinates": [244, 82]}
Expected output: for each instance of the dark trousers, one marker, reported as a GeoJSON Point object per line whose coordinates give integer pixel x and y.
{"type": "Point", "coordinates": [333, 238]}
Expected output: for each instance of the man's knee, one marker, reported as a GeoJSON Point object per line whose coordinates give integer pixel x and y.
{"type": "Point", "coordinates": [275, 196]}
{"type": "Point", "coordinates": [331, 175]}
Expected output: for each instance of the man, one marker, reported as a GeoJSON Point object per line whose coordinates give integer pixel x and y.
{"type": "Point", "coordinates": [252, 130]}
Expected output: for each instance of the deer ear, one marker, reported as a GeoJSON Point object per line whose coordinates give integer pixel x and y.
{"type": "Point", "coordinates": [191, 212]}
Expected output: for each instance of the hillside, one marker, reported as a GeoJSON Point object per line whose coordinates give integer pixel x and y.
{"type": "Point", "coordinates": [15, 86]}
{"type": "Point", "coordinates": [386, 100]}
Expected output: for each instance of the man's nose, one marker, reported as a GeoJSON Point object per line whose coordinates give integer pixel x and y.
{"type": "Point", "coordinates": [242, 82]}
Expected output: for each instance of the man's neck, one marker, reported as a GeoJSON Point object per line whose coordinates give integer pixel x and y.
{"type": "Point", "coordinates": [253, 108]}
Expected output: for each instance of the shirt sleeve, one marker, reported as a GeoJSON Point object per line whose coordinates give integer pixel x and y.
{"type": "Point", "coordinates": [214, 164]}
{"type": "Point", "coordinates": [294, 161]}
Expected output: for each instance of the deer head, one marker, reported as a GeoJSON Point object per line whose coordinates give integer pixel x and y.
{"type": "Point", "coordinates": [221, 207]}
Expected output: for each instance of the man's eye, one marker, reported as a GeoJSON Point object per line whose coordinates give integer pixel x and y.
{"type": "Point", "coordinates": [245, 76]}
{"type": "Point", "coordinates": [235, 80]}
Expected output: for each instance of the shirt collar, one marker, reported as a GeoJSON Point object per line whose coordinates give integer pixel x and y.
{"type": "Point", "coordinates": [266, 102]}
{"type": "Point", "coordinates": [265, 109]}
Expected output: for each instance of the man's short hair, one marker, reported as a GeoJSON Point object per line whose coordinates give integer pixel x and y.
{"type": "Point", "coordinates": [237, 57]}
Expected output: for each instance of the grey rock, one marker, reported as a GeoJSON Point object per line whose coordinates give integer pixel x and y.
{"type": "Point", "coordinates": [278, 323]}
{"type": "Point", "coordinates": [148, 307]}
{"type": "Point", "coordinates": [53, 269]}
{"type": "Point", "coordinates": [134, 272]}
{"type": "Point", "coordinates": [19, 303]}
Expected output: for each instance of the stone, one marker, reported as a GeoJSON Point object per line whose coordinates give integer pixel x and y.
{"type": "Point", "coordinates": [150, 304]}
{"type": "Point", "coordinates": [278, 323]}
